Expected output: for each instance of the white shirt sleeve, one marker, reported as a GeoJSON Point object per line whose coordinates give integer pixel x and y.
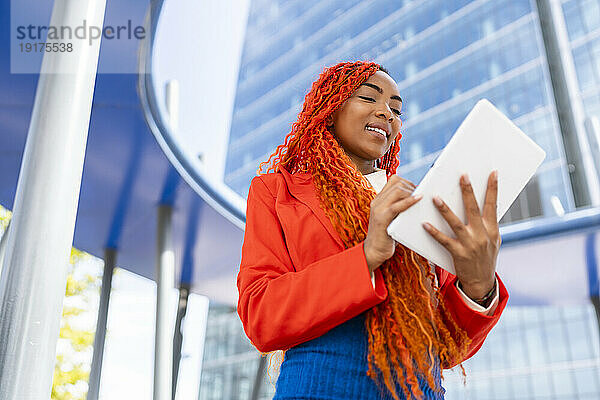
{"type": "Point", "coordinates": [486, 311]}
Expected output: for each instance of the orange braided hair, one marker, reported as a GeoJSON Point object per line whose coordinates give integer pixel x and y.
{"type": "Point", "coordinates": [408, 330]}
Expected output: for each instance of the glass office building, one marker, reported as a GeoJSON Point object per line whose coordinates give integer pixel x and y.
{"type": "Point", "coordinates": [533, 353]}
{"type": "Point", "coordinates": [582, 18]}
{"type": "Point", "coordinates": [444, 55]}
{"type": "Point", "coordinates": [230, 361]}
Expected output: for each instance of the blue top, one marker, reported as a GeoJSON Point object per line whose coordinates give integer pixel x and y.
{"type": "Point", "coordinates": [334, 366]}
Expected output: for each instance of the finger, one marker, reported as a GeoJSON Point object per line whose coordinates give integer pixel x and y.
{"type": "Point", "coordinates": [396, 180]}
{"type": "Point", "coordinates": [400, 206]}
{"type": "Point", "coordinates": [493, 234]}
{"type": "Point", "coordinates": [409, 183]}
{"type": "Point", "coordinates": [381, 197]}
{"type": "Point", "coordinates": [449, 243]}
{"type": "Point", "coordinates": [405, 192]}
{"type": "Point", "coordinates": [406, 185]}
{"type": "Point", "coordinates": [394, 191]}
{"type": "Point", "coordinates": [471, 208]}
{"type": "Point", "coordinates": [393, 182]}
{"type": "Point", "coordinates": [491, 197]}
{"type": "Point", "coordinates": [457, 226]}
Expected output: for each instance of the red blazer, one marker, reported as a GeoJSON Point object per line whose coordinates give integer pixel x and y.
{"type": "Point", "coordinates": [297, 281]}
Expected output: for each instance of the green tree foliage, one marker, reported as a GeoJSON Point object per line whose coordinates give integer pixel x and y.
{"type": "Point", "coordinates": [74, 351]}
{"type": "Point", "coordinates": [4, 219]}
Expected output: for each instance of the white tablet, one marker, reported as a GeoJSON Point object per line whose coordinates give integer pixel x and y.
{"type": "Point", "coordinates": [485, 141]}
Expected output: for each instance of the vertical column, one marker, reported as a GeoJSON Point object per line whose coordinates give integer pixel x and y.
{"type": "Point", "coordinates": [33, 281]}
{"type": "Point", "coordinates": [185, 284]}
{"type": "Point", "coordinates": [571, 115]}
{"type": "Point", "coordinates": [110, 260]}
{"type": "Point", "coordinates": [165, 275]}
{"type": "Point", "coordinates": [259, 377]}
{"type": "Point", "coordinates": [593, 273]}
{"type": "Point", "coordinates": [184, 291]}
{"type": "Point", "coordinates": [194, 329]}
{"type": "Point", "coordinates": [592, 126]}
{"type": "Point", "coordinates": [228, 382]}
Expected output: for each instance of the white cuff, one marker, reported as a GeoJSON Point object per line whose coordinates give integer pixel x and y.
{"type": "Point", "coordinates": [486, 311]}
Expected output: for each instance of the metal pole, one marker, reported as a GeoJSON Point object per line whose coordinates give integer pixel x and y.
{"type": "Point", "coordinates": [110, 261]}
{"type": "Point", "coordinates": [595, 300]}
{"type": "Point", "coordinates": [184, 292]}
{"type": "Point", "coordinates": [593, 274]}
{"type": "Point", "coordinates": [165, 282]}
{"type": "Point", "coordinates": [259, 378]}
{"type": "Point", "coordinates": [185, 283]}
{"type": "Point", "coordinates": [592, 126]}
{"type": "Point", "coordinates": [569, 107]}
{"type": "Point", "coordinates": [165, 276]}
{"type": "Point", "coordinates": [33, 281]}
{"type": "Point", "coordinates": [193, 327]}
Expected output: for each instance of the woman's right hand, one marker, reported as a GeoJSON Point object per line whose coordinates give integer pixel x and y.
{"type": "Point", "coordinates": [394, 198]}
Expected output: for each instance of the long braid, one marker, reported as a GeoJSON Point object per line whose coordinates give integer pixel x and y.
{"type": "Point", "coordinates": [411, 326]}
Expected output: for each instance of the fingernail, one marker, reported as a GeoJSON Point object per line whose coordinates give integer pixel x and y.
{"type": "Point", "coordinates": [495, 174]}
{"type": "Point", "coordinates": [418, 197]}
{"type": "Point", "coordinates": [426, 225]}
{"type": "Point", "coordinates": [466, 179]}
{"type": "Point", "coordinates": [437, 201]}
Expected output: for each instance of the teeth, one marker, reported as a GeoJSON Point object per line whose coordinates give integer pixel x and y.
{"type": "Point", "coordinates": [380, 131]}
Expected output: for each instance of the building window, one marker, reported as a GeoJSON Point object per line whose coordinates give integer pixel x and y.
{"type": "Point", "coordinates": [487, 27]}
{"type": "Point", "coordinates": [413, 109]}
{"type": "Point", "coordinates": [494, 69]}
{"type": "Point", "coordinates": [416, 151]}
{"type": "Point", "coordinates": [527, 205]}
{"type": "Point", "coordinates": [410, 69]}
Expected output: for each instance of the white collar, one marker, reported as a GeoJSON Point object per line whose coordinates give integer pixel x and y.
{"type": "Point", "coordinates": [377, 179]}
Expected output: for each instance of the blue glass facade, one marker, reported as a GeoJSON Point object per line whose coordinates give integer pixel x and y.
{"type": "Point", "coordinates": [445, 55]}
{"type": "Point", "coordinates": [582, 18]}
{"type": "Point", "coordinates": [533, 353]}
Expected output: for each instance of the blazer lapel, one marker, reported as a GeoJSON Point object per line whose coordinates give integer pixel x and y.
{"type": "Point", "coordinates": [301, 186]}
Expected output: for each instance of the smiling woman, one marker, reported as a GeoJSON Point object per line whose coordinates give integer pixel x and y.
{"type": "Point", "coordinates": [358, 315]}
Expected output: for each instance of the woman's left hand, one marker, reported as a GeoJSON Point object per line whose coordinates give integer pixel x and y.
{"type": "Point", "coordinates": [475, 248]}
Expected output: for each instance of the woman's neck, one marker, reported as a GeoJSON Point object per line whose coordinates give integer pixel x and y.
{"type": "Point", "coordinates": [365, 167]}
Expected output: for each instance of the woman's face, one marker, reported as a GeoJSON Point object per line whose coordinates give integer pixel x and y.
{"type": "Point", "coordinates": [369, 121]}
